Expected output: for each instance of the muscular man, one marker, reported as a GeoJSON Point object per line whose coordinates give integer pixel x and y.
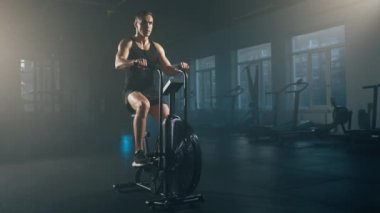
{"type": "Point", "coordinates": [139, 57]}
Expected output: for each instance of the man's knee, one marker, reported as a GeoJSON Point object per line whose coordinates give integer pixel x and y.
{"type": "Point", "coordinates": [165, 111]}
{"type": "Point", "coordinates": [143, 108]}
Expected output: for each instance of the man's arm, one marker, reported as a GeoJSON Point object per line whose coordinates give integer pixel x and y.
{"type": "Point", "coordinates": [165, 63]}
{"type": "Point", "coordinates": [121, 59]}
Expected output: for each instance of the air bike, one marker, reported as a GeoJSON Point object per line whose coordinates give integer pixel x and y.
{"type": "Point", "coordinates": [174, 167]}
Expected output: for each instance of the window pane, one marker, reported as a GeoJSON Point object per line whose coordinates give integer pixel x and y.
{"type": "Point", "coordinates": [205, 63]}
{"type": "Point", "coordinates": [199, 90]}
{"type": "Point", "coordinates": [328, 42]}
{"type": "Point", "coordinates": [254, 53]}
{"type": "Point", "coordinates": [338, 78]}
{"type": "Point", "coordinates": [318, 39]}
{"type": "Point", "coordinates": [267, 81]}
{"type": "Point", "coordinates": [300, 67]}
{"type": "Point", "coordinates": [244, 99]}
{"type": "Point", "coordinates": [318, 79]}
{"type": "Point", "coordinates": [212, 89]}
{"type": "Point", "coordinates": [40, 85]}
{"type": "Point", "coordinates": [264, 85]}
{"type": "Point", "coordinates": [205, 91]}
{"type": "Point", "coordinates": [257, 58]}
{"type": "Point", "coordinates": [205, 82]}
{"type": "Point", "coordinates": [27, 84]}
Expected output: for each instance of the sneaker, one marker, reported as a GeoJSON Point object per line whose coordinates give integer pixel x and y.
{"type": "Point", "coordinates": [139, 159]}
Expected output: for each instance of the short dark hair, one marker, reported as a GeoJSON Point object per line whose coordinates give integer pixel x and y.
{"type": "Point", "coordinates": [140, 15]}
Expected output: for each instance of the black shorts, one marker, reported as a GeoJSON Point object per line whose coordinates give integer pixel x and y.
{"type": "Point", "coordinates": [152, 98]}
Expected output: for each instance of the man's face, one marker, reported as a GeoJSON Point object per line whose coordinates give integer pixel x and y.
{"type": "Point", "coordinates": [145, 26]}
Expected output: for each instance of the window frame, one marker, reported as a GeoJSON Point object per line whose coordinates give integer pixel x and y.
{"type": "Point", "coordinates": [327, 75]}
{"type": "Point", "coordinates": [212, 89]}
{"type": "Point", "coordinates": [254, 62]}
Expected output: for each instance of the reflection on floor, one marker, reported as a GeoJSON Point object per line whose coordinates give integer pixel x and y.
{"type": "Point", "coordinates": [74, 172]}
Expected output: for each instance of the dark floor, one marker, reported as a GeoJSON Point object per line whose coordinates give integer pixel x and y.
{"type": "Point", "coordinates": [74, 171]}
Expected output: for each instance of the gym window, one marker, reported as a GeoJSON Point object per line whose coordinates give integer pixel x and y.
{"type": "Point", "coordinates": [318, 58]}
{"type": "Point", "coordinates": [40, 85]}
{"type": "Point", "coordinates": [257, 58]}
{"type": "Point", "coordinates": [205, 82]}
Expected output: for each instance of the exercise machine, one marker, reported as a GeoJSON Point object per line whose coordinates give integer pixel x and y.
{"type": "Point", "coordinates": [367, 120]}
{"type": "Point", "coordinates": [174, 167]}
{"type": "Point", "coordinates": [293, 128]}
{"type": "Point", "coordinates": [275, 131]}
{"type": "Point", "coordinates": [340, 115]}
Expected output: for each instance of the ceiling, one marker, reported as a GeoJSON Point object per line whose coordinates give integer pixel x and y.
{"type": "Point", "coordinates": [217, 13]}
{"type": "Point", "coordinates": [192, 18]}
{"type": "Point", "coordinates": [51, 20]}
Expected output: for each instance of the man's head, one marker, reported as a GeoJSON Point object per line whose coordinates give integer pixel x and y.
{"type": "Point", "coordinates": [144, 23]}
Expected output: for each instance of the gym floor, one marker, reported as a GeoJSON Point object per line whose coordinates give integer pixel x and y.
{"type": "Point", "coordinates": [73, 171]}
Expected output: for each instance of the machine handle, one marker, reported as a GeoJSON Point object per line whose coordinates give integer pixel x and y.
{"type": "Point", "coordinates": [303, 85]}
{"type": "Point", "coordinates": [371, 86]}
{"type": "Point", "coordinates": [161, 79]}
{"type": "Point", "coordinates": [185, 79]}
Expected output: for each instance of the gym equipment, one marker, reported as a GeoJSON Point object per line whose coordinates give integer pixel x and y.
{"type": "Point", "coordinates": [253, 87]}
{"type": "Point", "coordinates": [174, 167]}
{"type": "Point", "coordinates": [251, 122]}
{"type": "Point", "coordinates": [276, 130]}
{"type": "Point", "coordinates": [340, 116]}
{"type": "Point", "coordinates": [294, 128]}
{"type": "Point", "coordinates": [231, 95]}
{"type": "Point", "coordinates": [292, 88]}
{"type": "Point", "coordinates": [367, 120]}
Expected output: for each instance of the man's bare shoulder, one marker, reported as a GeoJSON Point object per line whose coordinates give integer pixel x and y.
{"type": "Point", "coordinates": [125, 43]}
{"type": "Point", "coordinates": [158, 46]}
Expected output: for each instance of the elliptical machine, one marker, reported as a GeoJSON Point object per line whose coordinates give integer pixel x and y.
{"type": "Point", "coordinates": [174, 166]}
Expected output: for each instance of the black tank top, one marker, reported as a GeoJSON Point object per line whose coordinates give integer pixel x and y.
{"type": "Point", "coordinates": [142, 80]}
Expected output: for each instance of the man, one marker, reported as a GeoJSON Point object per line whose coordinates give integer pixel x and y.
{"type": "Point", "coordinates": [139, 57]}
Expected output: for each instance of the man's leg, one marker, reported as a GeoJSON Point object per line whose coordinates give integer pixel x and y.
{"type": "Point", "coordinates": [141, 105]}
{"type": "Point", "coordinates": [155, 111]}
